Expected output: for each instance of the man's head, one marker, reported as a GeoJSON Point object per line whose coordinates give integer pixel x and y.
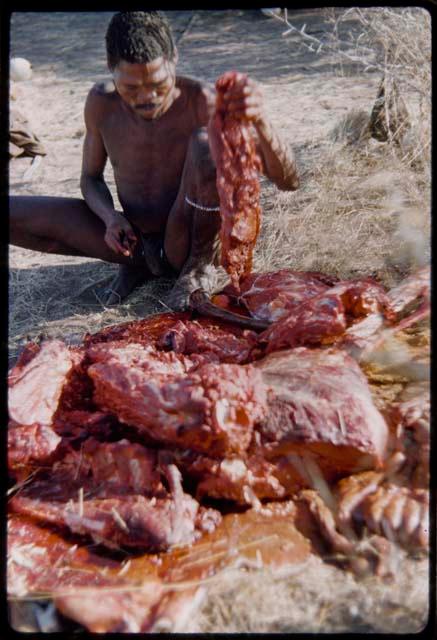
{"type": "Point", "coordinates": [142, 57]}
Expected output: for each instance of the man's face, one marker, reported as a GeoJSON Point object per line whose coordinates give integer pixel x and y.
{"type": "Point", "coordinates": [148, 88]}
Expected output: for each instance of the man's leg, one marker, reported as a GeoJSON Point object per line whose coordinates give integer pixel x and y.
{"type": "Point", "coordinates": [67, 226]}
{"type": "Point", "coordinates": [192, 234]}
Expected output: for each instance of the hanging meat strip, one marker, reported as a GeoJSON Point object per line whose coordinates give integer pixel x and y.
{"type": "Point", "coordinates": [238, 165]}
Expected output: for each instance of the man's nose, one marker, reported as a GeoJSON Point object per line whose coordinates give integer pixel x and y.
{"type": "Point", "coordinates": [147, 95]}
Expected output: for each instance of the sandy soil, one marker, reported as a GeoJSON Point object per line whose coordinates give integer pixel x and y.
{"type": "Point", "coordinates": [307, 94]}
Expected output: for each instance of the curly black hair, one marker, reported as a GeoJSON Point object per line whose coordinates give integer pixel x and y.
{"type": "Point", "coordinates": [138, 36]}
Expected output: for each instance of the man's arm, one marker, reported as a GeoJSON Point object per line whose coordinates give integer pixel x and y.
{"type": "Point", "coordinates": [277, 157]}
{"type": "Point", "coordinates": [119, 233]}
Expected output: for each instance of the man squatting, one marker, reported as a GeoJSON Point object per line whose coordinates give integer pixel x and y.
{"type": "Point", "coordinates": [153, 126]}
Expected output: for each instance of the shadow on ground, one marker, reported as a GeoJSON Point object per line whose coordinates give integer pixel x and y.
{"type": "Point", "coordinates": [209, 43]}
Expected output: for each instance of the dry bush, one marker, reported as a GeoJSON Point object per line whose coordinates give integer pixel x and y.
{"type": "Point", "coordinates": [364, 205]}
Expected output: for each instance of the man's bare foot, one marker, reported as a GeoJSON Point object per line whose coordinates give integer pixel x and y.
{"type": "Point", "coordinates": [201, 278]}
{"type": "Point", "coordinates": [127, 279]}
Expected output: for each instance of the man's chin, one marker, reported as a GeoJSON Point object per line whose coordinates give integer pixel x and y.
{"type": "Point", "coordinates": [148, 115]}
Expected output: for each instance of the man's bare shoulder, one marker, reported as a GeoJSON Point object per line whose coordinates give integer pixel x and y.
{"type": "Point", "coordinates": [102, 97]}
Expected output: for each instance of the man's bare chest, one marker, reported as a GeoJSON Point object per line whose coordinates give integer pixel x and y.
{"type": "Point", "coordinates": [146, 146]}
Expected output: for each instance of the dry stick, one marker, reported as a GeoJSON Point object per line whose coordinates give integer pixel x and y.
{"type": "Point", "coordinates": [190, 23]}
{"type": "Point", "coordinates": [368, 64]}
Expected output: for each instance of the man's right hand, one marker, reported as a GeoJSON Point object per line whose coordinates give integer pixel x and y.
{"type": "Point", "coordinates": [120, 236]}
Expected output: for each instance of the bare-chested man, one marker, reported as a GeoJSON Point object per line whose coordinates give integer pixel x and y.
{"type": "Point", "coordinates": [152, 124]}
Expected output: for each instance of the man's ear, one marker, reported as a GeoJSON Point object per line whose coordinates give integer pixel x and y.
{"type": "Point", "coordinates": [175, 56]}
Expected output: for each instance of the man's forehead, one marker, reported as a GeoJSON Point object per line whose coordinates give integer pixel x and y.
{"type": "Point", "coordinates": [155, 70]}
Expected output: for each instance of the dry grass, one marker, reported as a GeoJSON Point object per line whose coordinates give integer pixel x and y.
{"type": "Point", "coordinates": [305, 601]}
{"type": "Point", "coordinates": [364, 205]}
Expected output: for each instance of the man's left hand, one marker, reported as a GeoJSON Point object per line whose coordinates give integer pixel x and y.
{"type": "Point", "coordinates": [245, 99]}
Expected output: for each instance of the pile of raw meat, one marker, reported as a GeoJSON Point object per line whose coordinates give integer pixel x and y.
{"type": "Point", "coordinates": [147, 436]}
{"type": "Point", "coordinates": [142, 437]}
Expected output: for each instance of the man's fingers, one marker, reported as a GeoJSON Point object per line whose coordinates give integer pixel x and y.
{"type": "Point", "coordinates": [115, 245]}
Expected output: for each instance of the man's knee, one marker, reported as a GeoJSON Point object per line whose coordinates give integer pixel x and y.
{"type": "Point", "coordinates": [200, 155]}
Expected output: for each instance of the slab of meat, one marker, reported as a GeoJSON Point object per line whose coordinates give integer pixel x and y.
{"type": "Point", "coordinates": [238, 165]}
{"type": "Point", "coordinates": [40, 560]}
{"type": "Point", "coordinates": [146, 331]}
{"type": "Point", "coordinates": [211, 409]}
{"type": "Point", "coordinates": [190, 337]}
{"type": "Point", "coordinates": [273, 295]}
{"type": "Point", "coordinates": [244, 480]}
{"type": "Point", "coordinates": [33, 444]}
{"type": "Point", "coordinates": [320, 420]}
{"type": "Point", "coordinates": [321, 404]}
{"type": "Point", "coordinates": [99, 470]}
{"type": "Point", "coordinates": [322, 319]}
{"type": "Point", "coordinates": [35, 388]}
{"type": "Point", "coordinates": [132, 521]}
{"type": "Point", "coordinates": [137, 594]}
{"type": "Point", "coordinates": [406, 304]}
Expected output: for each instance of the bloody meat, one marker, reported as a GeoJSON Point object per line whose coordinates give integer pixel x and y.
{"type": "Point", "coordinates": [320, 419]}
{"type": "Point", "coordinates": [212, 408]}
{"type": "Point", "coordinates": [323, 318]}
{"type": "Point", "coordinates": [118, 514]}
{"type": "Point", "coordinates": [273, 295]}
{"type": "Point", "coordinates": [190, 337]}
{"type": "Point", "coordinates": [238, 166]}
{"type": "Point", "coordinates": [111, 426]}
{"type": "Point", "coordinates": [35, 388]}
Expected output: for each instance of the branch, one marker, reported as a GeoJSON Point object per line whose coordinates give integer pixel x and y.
{"type": "Point", "coordinates": [311, 41]}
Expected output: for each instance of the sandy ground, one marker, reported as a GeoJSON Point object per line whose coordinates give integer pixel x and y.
{"type": "Point", "coordinates": [306, 94]}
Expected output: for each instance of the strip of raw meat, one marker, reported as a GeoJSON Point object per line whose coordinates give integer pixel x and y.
{"type": "Point", "coordinates": [212, 409]}
{"type": "Point", "coordinates": [35, 388]}
{"type": "Point", "coordinates": [190, 337]}
{"type": "Point", "coordinates": [238, 165]}
{"type": "Point", "coordinates": [273, 295]}
{"type": "Point", "coordinates": [320, 320]}
{"type": "Point", "coordinates": [321, 403]}
{"type": "Point", "coordinates": [132, 521]}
